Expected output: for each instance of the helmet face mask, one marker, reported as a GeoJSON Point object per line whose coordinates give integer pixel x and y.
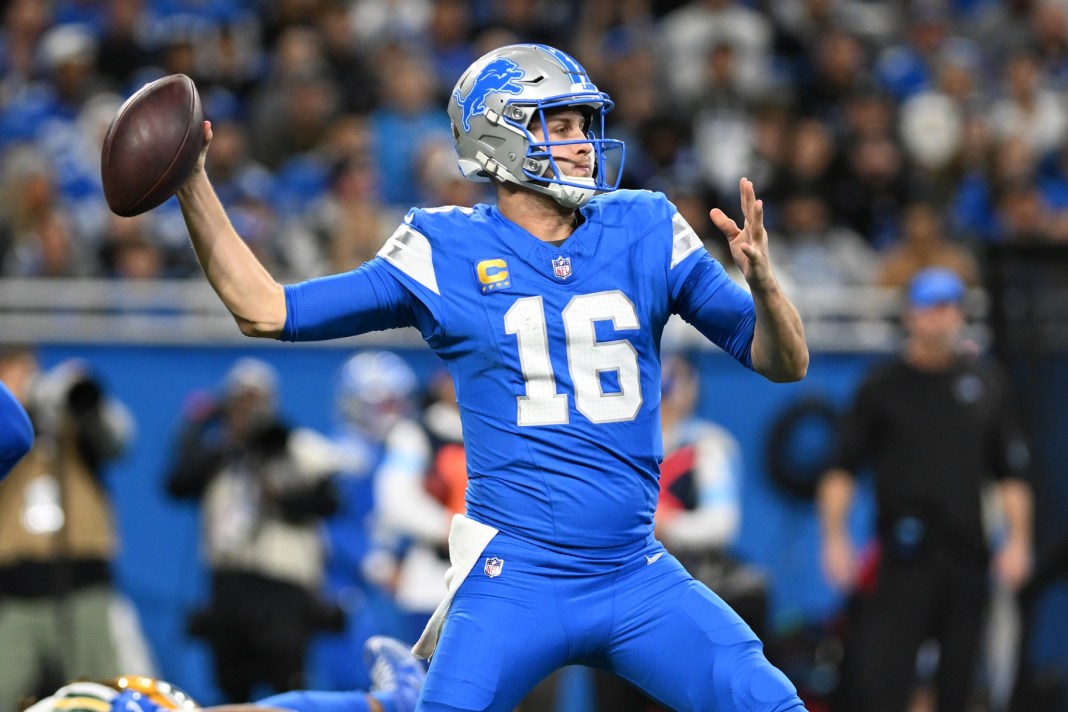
{"type": "Point", "coordinates": [502, 94]}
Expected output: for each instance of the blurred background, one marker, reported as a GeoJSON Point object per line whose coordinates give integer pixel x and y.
{"type": "Point", "coordinates": [885, 136]}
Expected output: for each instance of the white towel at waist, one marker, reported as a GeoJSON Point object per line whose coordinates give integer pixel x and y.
{"type": "Point", "coordinates": [467, 540]}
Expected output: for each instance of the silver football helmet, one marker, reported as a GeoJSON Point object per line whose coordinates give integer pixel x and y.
{"type": "Point", "coordinates": [502, 94]}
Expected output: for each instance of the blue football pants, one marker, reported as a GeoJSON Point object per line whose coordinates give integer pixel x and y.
{"type": "Point", "coordinates": [645, 619]}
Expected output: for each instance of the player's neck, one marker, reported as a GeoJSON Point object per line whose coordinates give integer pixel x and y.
{"type": "Point", "coordinates": [538, 214]}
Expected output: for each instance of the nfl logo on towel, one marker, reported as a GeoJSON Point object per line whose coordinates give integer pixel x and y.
{"type": "Point", "coordinates": [494, 566]}
{"type": "Point", "coordinates": [562, 267]}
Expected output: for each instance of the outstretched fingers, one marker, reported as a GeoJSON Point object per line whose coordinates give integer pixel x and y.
{"type": "Point", "coordinates": [752, 208]}
{"type": "Point", "coordinates": [724, 223]}
{"type": "Point", "coordinates": [748, 193]}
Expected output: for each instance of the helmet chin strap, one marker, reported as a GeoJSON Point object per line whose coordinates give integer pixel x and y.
{"type": "Point", "coordinates": [571, 196]}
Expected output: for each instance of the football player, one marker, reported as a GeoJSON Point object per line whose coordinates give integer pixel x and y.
{"type": "Point", "coordinates": [547, 308]}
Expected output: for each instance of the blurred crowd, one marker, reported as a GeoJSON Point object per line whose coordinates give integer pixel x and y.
{"type": "Point", "coordinates": [884, 135]}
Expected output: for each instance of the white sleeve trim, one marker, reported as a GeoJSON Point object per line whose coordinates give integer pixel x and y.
{"type": "Point", "coordinates": [409, 250]}
{"type": "Point", "coordinates": [685, 240]}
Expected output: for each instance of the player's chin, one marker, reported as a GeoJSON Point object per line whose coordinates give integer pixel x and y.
{"type": "Point", "coordinates": [580, 174]}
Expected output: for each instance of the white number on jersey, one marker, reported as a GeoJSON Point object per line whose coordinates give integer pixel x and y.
{"type": "Point", "coordinates": [587, 359]}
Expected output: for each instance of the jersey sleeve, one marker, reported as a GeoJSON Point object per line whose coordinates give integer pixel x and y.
{"type": "Point", "coordinates": [16, 432]}
{"type": "Point", "coordinates": [705, 296]}
{"type": "Point", "coordinates": [408, 256]}
{"type": "Point", "coordinates": [368, 298]}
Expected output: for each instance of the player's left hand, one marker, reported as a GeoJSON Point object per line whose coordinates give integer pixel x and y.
{"type": "Point", "coordinates": [749, 243]}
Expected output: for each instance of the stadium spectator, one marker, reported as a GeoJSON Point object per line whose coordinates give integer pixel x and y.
{"type": "Point", "coordinates": [824, 61]}
{"type": "Point", "coordinates": [346, 59]}
{"type": "Point", "coordinates": [934, 426]}
{"type": "Point", "coordinates": [813, 251]}
{"type": "Point", "coordinates": [35, 231]}
{"type": "Point", "coordinates": [924, 243]}
{"type": "Point", "coordinates": [698, 26]}
{"type": "Point", "coordinates": [124, 49]}
{"type": "Point", "coordinates": [1027, 109]}
{"type": "Point", "coordinates": [264, 488]}
{"type": "Point", "coordinates": [408, 118]}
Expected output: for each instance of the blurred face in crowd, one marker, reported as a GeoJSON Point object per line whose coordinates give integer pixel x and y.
{"type": "Point", "coordinates": [938, 327]}
{"type": "Point", "coordinates": [921, 225]}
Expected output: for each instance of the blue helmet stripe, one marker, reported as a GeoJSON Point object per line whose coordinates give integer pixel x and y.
{"type": "Point", "coordinates": [573, 68]}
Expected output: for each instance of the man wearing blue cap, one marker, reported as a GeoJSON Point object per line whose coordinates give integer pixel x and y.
{"type": "Point", "coordinates": [934, 426]}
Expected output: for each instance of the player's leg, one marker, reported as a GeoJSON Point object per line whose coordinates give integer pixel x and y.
{"type": "Point", "coordinates": [503, 635]}
{"type": "Point", "coordinates": [716, 661]}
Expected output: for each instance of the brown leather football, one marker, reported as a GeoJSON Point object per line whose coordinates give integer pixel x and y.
{"type": "Point", "coordinates": [152, 145]}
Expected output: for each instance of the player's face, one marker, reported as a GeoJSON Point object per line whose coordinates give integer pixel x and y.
{"type": "Point", "coordinates": [575, 160]}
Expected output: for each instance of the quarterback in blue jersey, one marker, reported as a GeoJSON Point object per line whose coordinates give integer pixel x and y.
{"type": "Point", "coordinates": [548, 308]}
{"type": "Point", "coordinates": [16, 433]}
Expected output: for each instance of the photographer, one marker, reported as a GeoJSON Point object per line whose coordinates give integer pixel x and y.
{"type": "Point", "coordinates": [57, 535]}
{"type": "Point", "coordinates": [263, 488]}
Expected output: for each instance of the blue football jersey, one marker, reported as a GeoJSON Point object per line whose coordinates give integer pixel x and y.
{"type": "Point", "coordinates": [554, 352]}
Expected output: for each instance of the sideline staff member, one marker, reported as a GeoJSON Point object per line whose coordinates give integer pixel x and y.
{"type": "Point", "coordinates": [935, 426]}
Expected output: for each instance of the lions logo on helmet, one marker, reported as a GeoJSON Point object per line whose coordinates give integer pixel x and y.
{"type": "Point", "coordinates": [500, 75]}
{"type": "Point", "coordinates": [507, 90]}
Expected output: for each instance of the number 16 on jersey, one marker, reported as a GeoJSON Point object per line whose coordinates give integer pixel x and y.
{"type": "Point", "coordinates": [587, 359]}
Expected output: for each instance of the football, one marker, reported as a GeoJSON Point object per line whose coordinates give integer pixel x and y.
{"type": "Point", "coordinates": [152, 145]}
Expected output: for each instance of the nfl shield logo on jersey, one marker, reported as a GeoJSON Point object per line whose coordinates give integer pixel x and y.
{"type": "Point", "coordinates": [494, 566]}
{"type": "Point", "coordinates": [562, 267]}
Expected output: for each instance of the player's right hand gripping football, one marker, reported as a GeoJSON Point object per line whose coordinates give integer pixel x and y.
{"type": "Point", "coordinates": [749, 243]}
{"type": "Point", "coordinates": [199, 168]}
